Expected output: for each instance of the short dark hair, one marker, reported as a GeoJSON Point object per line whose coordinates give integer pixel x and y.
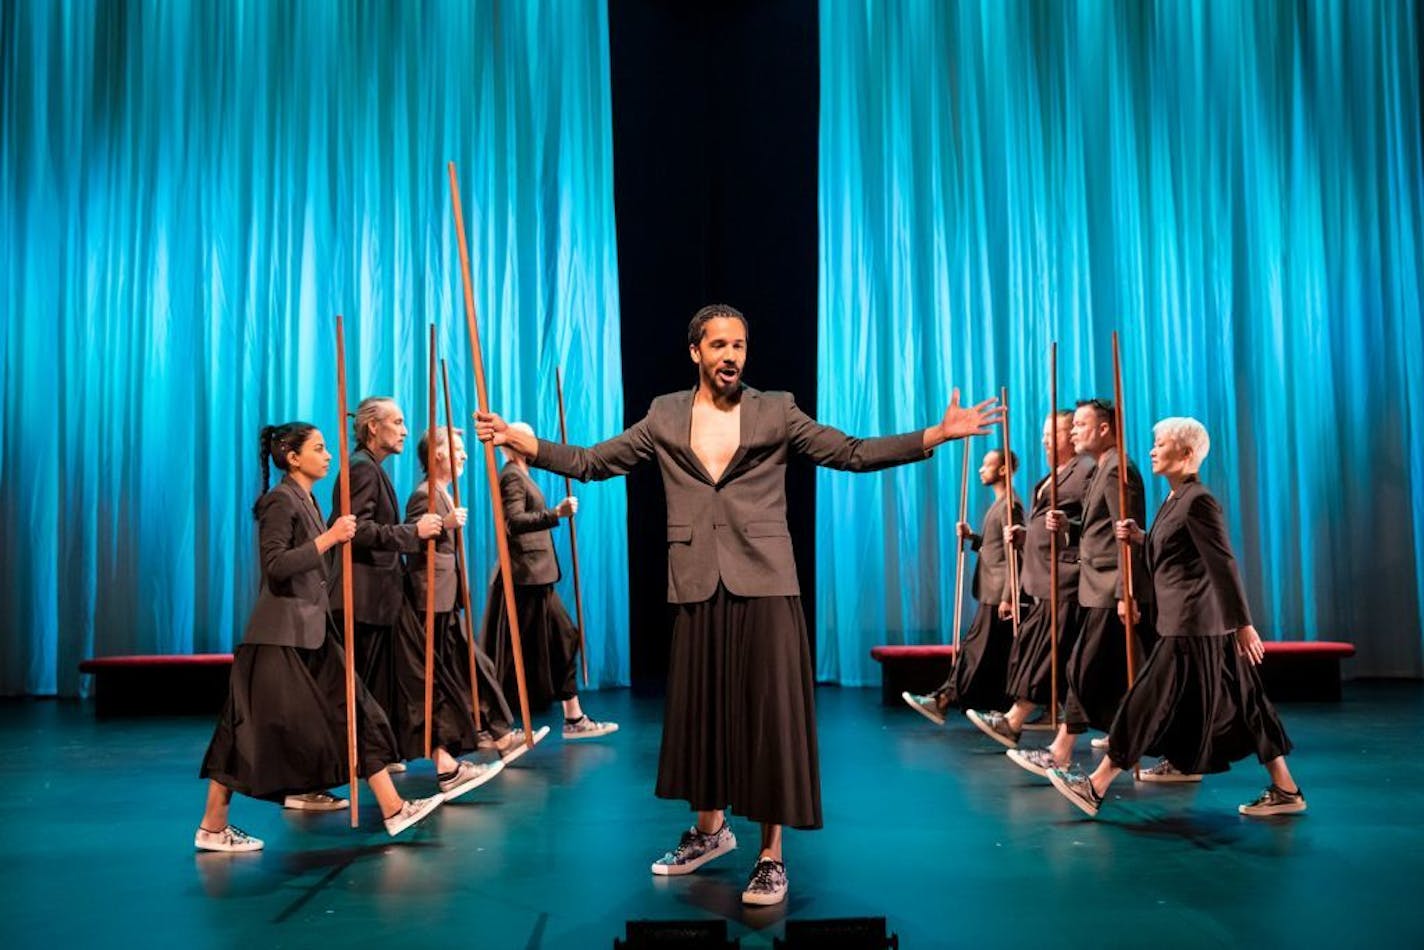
{"type": "Point", "coordinates": [1104, 410]}
{"type": "Point", "coordinates": [1013, 459]}
{"type": "Point", "coordinates": [712, 311]}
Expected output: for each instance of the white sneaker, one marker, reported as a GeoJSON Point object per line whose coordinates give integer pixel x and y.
{"type": "Point", "coordinates": [467, 777]}
{"type": "Point", "coordinates": [586, 728]}
{"type": "Point", "coordinates": [519, 746]}
{"type": "Point", "coordinates": [924, 705]}
{"type": "Point", "coordinates": [1099, 742]}
{"type": "Point", "coordinates": [767, 885]}
{"type": "Point", "coordinates": [411, 812]}
{"type": "Point", "coordinates": [315, 801]}
{"type": "Point", "coordinates": [1168, 773]}
{"type": "Point", "coordinates": [231, 838]}
{"type": "Point", "coordinates": [395, 768]}
{"type": "Point", "coordinates": [695, 849]}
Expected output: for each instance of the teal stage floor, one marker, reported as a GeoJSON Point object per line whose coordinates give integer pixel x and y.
{"type": "Point", "coordinates": [930, 827]}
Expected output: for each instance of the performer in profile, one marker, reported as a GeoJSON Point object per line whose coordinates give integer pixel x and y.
{"type": "Point", "coordinates": [1030, 683]}
{"type": "Point", "coordinates": [549, 637]}
{"type": "Point", "coordinates": [1198, 700]}
{"type": "Point", "coordinates": [282, 732]}
{"type": "Point", "coordinates": [739, 731]}
{"type": "Point", "coordinates": [980, 673]}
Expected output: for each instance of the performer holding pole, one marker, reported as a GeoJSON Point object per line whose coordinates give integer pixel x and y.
{"type": "Point", "coordinates": [501, 535]}
{"type": "Point", "coordinates": [573, 535]}
{"type": "Point", "coordinates": [1008, 513]}
{"type": "Point", "coordinates": [1053, 461]}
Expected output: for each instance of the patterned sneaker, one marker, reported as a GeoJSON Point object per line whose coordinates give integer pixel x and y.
{"type": "Point", "coordinates": [315, 801]}
{"type": "Point", "coordinates": [466, 777]}
{"type": "Point", "coordinates": [231, 838]}
{"type": "Point", "coordinates": [1167, 773]}
{"type": "Point", "coordinates": [996, 726]}
{"type": "Point", "coordinates": [767, 885]}
{"type": "Point", "coordinates": [1275, 801]}
{"type": "Point", "coordinates": [694, 850]}
{"type": "Point", "coordinates": [1037, 761]}
{"type": "Point", "coordinates": [1078, 789]}
{"type": "Point", "coordinates": [924, 705]}
{"type": "Point", "coordinates": [586, 728]}
{"type": "Point", "coordinates": [517, 746]}
{"type": "Point", "coordinates": [411, 812]}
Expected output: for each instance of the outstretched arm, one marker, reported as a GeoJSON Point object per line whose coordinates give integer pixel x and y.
{"type": "Point", "coordinates": [616, 456]}
{"type": "Point", "coordinates": [832, 448]}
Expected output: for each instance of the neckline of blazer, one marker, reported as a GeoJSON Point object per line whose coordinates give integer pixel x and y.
{"type": "Point", "coordinates": [750, 405]}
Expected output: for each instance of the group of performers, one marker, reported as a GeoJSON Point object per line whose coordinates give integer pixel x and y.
{"type": "Point", "coordinates": [739, 730]}
{"type": "Point", "coordinates": [1172, 594]}
{"type": "Point", "coordinates": [282, 733]}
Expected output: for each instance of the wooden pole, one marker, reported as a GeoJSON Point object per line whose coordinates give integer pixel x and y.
{"type": "Point", "coordinates": [464, 575]}
{"type": "Point", "coordinates": [1009, 512]}
{"type": "Point", "coordinates": [348, 618]}
{"type": "Point", "coordinates": [1124, 548]}
{"type": "Point", "coordinates": [1053, 536]}
{"type": "Point", "coordinates": [501, 530]}
{"type": "Point", "coordinates": [573, 532]}
{"type": "Point", "coordinates": [430, 556]}
{"type": "Point", "coordinates": [959, 554]}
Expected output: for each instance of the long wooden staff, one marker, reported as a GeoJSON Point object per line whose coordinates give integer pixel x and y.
{"type": "Point", "coordinates": [573, 532]}
{"type": "Point", "coordinates": [1009, 511]}
{"type": "Point", "coordinates": [501, 530]}
{"type": "Point", "coordinates": [1124, 548]}
{"type": "Point", "coordinates": [348, 617]}
{"type": "Point", "coordinates": [1053, 535]}
{"type": "Point", "coordinates": [460, 548]}
{"type": "Point", "coordinates": [430, 554]}
{"type": "Point", "coordinates": [959, 554]}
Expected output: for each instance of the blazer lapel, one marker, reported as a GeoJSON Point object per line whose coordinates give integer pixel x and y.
{"type": "Point", "coordinates": [307, 505]}
{"type": "Point", "coordinates": [683, 421]}
{"type": "Point", "coordinates": [751, 407]}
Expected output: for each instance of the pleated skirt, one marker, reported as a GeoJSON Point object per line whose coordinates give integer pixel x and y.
{"type": "Point", "coordinates": [452, 724]}
{"type": "Point", "coordinates": [739, 731]}
{"type": "Point", "coordinates": [283, 729]}
{"type": "Point", "coordinates": [1030, 657]}
{"type": "Point", "coordinates": [549, 638]}
{"type": "Point", "coordinates": [1201, 705]}
{"type": "Point", "coordinates": [981, 670]}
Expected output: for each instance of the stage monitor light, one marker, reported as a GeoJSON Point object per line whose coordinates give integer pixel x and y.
{"type": "Point", "coordinates": [675, 935]}
{"type": "Point", "coordinates": [837, 933]}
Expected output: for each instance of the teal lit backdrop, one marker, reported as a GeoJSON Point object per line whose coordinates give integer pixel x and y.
{"type": "Point", "coordinates": [188, 194]}
{"type": "Point", "coordinates": [1235, 187]}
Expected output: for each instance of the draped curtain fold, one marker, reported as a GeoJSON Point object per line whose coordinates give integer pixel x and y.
{"type": "Point", "coordinates": [188, 194]}
{"type": "Point", "coordinates": [1235, 187]}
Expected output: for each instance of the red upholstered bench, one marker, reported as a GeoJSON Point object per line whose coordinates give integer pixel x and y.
{"type": "Point", "coordinates": [1293, 669]}
{"type": "Point", "coordinates": [159, 685]}
{"type": "Point", "coordinates": [918, 669]}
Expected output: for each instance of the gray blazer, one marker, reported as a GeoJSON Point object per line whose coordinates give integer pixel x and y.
{"type": "Point", "coordinates": [991, 571]}
{"type": "Point", "coordinates": [1072, 487]}
{"type": "Point", "coordinates": [1199, 590]}
{"type": "Point", "coordinates": [1099, 583]}
{"type": "Point", "coordinates": [447, 578]}
{"type": "Point", "coordinates": [529, 518]}
{"type": "Point", "coordinates": [377, 582]}
{"type": "Point", "coordinates": [732, 530]}
{"type": "Point", "coordinates": [291, 610]}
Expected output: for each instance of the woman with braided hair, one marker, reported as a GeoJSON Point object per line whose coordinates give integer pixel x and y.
{"type": "Point", "coordinates": [282, 732]}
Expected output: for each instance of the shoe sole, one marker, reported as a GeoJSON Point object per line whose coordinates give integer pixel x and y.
{"type": "Point", "coordinates": [677, 870]}
{"type": "Point", "coordinates": [1167, 779]}
{"type": "Point", "coordinates": [1086, 808]}
{"type": "Point", "coordinates": [515, 754]}
{"type": "Point", "coordinates": [1099, 743]}
{"type": "Point", "coordinates": [763, 900]}
{"type": "Point", "coordinates": [487, 773]}
{"type": "Point", "coordinates": [406, 823]}
{"type": "Point", "coordinates": [928, 714]}
{"type": "Point", "coordinates": [575, 737]}
{"type": "Point", "coordinates": [235, 849]}
{"type": "Point", "coordinates": [984, 728]}
{"type": "Point", "coordinates": [1249, 812]}
{"type": "Point", "coordinates": [340, 804]}
{"type": "Point", "coordinates": [1017, 757]}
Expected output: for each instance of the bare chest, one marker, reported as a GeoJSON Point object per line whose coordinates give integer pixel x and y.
{"type": "Point", "coordinates": [716, 434]}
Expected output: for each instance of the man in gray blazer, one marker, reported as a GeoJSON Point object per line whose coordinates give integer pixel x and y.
{"type": "Point", "coordinates": [739, 730]}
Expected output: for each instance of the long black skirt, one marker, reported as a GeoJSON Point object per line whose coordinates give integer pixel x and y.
{"type": "Point", "coordinates": [452, 724]}
{"type": "Point", "coordinates": [1030, 658]}
{"type": "Point", "coordinates": [980, 676]}
{"type": "Point", "coordinates": [1096, 671]}
{"type": "Point", "coordinates": [739, 731]}
{"type": "Point", "coordinates": [283, 729]}
{"type": "Point", "coordinates": [1201, 705]}
{"type": "Point", "coordinates": [549, 638]}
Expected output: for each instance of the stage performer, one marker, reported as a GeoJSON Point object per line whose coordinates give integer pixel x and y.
{"type": "Point", "coordinates": [1097, 664]}
{"type": "Point", "coordinates": [1198, 700]}
{"type": "Point", "coordinates": [980, 673]}
{"type": "Point", "coordinates": [739, 730]}
{"type": "Point", "coordinates": [1030, 683]}
{"type": "Point", "coordinates": [549, 637]}
{"type": "Point", "coordinates": [282, 732]}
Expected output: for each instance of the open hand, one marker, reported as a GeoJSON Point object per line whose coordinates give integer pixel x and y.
{"type": "Point", "coordinates": [960, 422]}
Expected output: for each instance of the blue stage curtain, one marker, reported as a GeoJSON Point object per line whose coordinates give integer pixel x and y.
{"type": "Point", "coordinates": [1235, 187]}
{"type": "Point", "coordinates": [188, 194]}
